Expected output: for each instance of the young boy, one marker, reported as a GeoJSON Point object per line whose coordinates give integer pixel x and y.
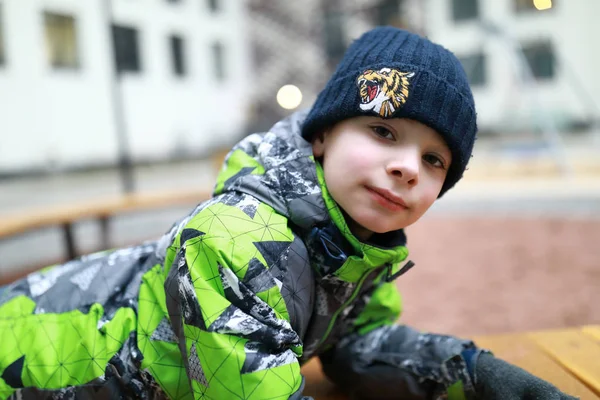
{"type": "Point", "coordinates": [295, 256]}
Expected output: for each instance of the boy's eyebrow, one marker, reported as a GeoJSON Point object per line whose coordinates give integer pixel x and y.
{"type": "Point", "coordinates": [441, 148]}
{"type": "Point", "coordinates": [395, 129]}
{"type": "Point", "coordinates": [382, 122]}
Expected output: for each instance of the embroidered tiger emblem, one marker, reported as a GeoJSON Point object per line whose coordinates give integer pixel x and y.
{"type": "Point", "coordinates": [383, 91]}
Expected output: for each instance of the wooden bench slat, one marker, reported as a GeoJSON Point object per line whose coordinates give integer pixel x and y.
{"type": "Point", "coordinates": [521, 350]}
{"type": "Point", "coordinates": [17, 223]}
{"type": "Point", "coordinates": [575, 351]}
{"type": "Point", "coordinates": [593, 331]}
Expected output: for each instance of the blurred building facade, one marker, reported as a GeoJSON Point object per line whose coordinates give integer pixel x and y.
{"type": "Point", "coordinates": [530, 62]}
{"type": "Point", "coordinates": [179, 77]}
{"type": "Point", "coordinates": [174, 70]}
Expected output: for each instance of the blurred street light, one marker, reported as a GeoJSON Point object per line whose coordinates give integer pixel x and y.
{"type": "Point", "coordinates": [289, 97]}
{"type": "Point", "coordinates": [542, 4]}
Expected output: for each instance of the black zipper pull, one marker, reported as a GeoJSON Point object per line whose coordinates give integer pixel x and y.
{"type": "Point", "coordinates": [391, 277]}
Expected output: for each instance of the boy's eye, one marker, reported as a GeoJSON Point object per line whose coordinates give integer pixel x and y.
{"type": "Point", "coordinates": [382, 132]}
{"type": "Point", "coordinates": [434, 160]}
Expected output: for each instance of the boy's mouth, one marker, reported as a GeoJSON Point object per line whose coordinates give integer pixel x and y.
{"type": "Point", "coordinates": [387, 199]}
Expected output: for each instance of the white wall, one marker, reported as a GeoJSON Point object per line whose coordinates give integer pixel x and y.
{"type": "Point", "coordinates": [66, 118]}
{"type": "Point", "coordinates": [571, 29]}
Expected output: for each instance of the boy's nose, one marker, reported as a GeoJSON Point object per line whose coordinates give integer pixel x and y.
{"type": "Point", "coordinates": [405, 169]}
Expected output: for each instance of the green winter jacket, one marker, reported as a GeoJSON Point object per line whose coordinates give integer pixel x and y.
{"type": "Point", "coordinates": [230, 302]}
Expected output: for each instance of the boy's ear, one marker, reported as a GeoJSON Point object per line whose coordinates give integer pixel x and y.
{"type": "Point", "coordinates": [318, 144]}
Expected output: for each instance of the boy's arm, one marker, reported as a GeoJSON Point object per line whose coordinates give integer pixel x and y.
{"type": "Point", "coordinates": [381, 360]}
{"type": "Point", "coordinates": [235, 342]}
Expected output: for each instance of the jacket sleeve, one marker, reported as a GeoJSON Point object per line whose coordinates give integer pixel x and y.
{"type": "Point", "coordinates": [230, 320]}
{"type": "Point", "coordinates": [381, 360]}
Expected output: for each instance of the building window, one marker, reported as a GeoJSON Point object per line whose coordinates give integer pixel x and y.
{"type": "Point", "coordinates": [177, 57]}
{"type": "Point", "coordinates": [61, 41]}
{"type": "Point", "coordinates": [475, 68]}
{"type": "Point", "coordinates": [2, 55]}
{"type": "Point", "coordinates": [218, 60]}
{"type": "Point", "coordinates": [464, 10]}
{"type": "Point", "coordinates": [213, 5]}
{"type": "Point", "coordinates": [541, 60]}
{"type": "Point", "coordinates": [523, 6]}
{"type": "Point", "coordinates": [125, 42]}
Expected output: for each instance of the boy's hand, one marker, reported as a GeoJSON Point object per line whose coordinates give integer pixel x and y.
{"type": "Point", "coordinates": [496, 379]}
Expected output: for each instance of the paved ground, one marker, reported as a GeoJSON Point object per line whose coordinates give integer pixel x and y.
{"type": "Point", "coordinates": [480, 275]}
{"type": "Point", "coordinates": [513, 247]}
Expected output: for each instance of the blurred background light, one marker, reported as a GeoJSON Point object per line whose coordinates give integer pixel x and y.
{"type": "Point", "coordinates": [289, 97]}
{"type": "Point", "coordinates": [542, 4]}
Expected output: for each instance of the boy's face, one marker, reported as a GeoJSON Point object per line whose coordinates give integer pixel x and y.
{"type": "Point", "coordinates": [384, 173]}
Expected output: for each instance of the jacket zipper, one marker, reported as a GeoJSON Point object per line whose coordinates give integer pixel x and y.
{"type": "Point", "coordinates": [344, 305]}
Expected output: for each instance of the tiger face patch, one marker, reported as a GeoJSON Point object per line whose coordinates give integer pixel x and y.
{"type": "Point", "coordinates": [383, 91]}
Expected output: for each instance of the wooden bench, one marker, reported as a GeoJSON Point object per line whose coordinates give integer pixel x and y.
{"type": "Point", "coordinates": [66, 216]}
{"type": "Point", "coordinates": [569, 358]}
{"type": "Point", "coordinates": [102, 210]}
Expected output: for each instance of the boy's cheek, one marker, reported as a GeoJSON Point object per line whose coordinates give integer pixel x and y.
{"type": "Point", "coordinates": [360, 157]}
{"type": "Point", "coordinates": [429, 196]}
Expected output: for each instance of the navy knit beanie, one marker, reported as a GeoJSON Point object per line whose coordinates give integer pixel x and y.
{"type": "Point", "coordinates": [392, 73]}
